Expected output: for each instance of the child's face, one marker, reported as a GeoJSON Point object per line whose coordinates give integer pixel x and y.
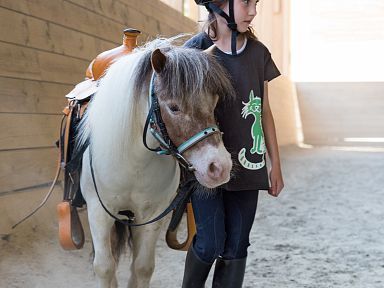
{"type": "Point", "coordinates": [245, 12]}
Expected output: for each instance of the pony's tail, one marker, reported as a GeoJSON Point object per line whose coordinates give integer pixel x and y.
{"type": "Point", "coordinates": [121, 236]}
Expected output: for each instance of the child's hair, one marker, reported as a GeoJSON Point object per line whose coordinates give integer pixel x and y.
{"type": "Point", "coordinates": [211, 27]}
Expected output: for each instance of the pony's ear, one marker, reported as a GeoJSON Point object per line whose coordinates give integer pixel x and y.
{"type": "Point", "coordinates": [158, 60]}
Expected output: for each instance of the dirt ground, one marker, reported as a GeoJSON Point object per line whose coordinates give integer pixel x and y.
{"type": "Point", "coordinates": [325, 230]}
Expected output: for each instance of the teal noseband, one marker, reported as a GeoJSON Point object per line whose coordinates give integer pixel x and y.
{"type": "Point", "coordinates": [191, 141]}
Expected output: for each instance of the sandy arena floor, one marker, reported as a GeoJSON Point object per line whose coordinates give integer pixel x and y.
{"type": "Point", "coordinates": [325, 230]}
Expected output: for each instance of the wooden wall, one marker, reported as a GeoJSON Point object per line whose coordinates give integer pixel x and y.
{"type": "Point", "coordinates": [45, 48]}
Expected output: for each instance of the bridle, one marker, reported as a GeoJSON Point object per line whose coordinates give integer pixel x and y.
{"type": "Point", "coordinates": [156, 126]}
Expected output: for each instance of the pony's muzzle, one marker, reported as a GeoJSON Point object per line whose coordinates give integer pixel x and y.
{"type": "Point", "coordinates": [220, 172]}
{"type": "Point", "coordinates": [213, 165]}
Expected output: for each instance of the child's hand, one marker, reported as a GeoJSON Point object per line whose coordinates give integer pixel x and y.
{"type": "Point", "coordinates": [277, 183]}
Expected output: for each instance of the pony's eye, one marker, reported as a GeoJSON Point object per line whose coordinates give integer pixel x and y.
{"type": "Point", "coordinates": [174, 108]}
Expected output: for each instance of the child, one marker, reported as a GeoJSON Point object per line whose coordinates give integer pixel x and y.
{"type": "Point", "coordinates": [225, 217]}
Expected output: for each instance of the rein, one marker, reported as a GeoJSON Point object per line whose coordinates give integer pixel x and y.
{"type": "Point", "coordinates": [166, 147]}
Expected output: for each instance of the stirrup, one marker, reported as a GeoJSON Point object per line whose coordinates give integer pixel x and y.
{"type": "Point", "coordinates": [171, 235]}
{"type": "Point", "coordinates": [71, 233]}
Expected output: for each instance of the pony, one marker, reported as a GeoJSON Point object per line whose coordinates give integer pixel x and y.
{"type": "Point", "coordinates": [188, 84]}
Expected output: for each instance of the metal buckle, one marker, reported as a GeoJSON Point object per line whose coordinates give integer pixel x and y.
{"type": "Point", "coordinates": [184, 162]}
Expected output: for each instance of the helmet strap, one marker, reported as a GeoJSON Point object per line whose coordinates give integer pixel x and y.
{"type": "Point", "coordinates": [230, 22]}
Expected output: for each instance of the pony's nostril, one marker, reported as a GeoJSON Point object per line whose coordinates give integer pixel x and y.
{"type": "Point", "coordinates": [215, 171]}
{"type": "Point", "coordinates": [212, 167]}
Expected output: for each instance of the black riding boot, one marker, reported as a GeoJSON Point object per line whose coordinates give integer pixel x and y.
{"type": "Point", "coordinates": [229, 273]}
{"type": "Point", "coordinates": [196, 271]}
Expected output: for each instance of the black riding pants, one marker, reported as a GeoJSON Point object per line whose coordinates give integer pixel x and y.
{"type": "Point", "coordinates": [223, 221]}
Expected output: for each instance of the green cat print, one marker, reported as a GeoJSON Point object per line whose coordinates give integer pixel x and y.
{"type": "Point", "coordinates": [253, 107]}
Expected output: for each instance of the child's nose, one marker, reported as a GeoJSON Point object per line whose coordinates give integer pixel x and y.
{"type": "Point", "coordinates": [252, 10]}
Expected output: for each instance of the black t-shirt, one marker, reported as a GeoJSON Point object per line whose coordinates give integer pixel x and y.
{"type": "Point", "coordinates": [240, 120]}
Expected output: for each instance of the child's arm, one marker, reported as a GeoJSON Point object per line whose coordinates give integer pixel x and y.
{"type": "Point", "coordinates": [277, 183]}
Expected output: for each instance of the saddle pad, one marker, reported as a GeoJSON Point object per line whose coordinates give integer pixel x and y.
{"type": "Point", "coordinates": [83, 90]}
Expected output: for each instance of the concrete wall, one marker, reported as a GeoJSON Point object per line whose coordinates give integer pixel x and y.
{"type": "Point", "coordinates": [45, 48]}
{"type": "Point", "coordinates": [332, 112]}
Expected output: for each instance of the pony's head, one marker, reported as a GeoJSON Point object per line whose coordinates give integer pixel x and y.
{"type": "Point", "coordinates": [189, 84]}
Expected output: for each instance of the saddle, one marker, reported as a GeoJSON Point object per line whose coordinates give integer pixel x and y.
{"type": "Point", "coordinates": [71, 233]}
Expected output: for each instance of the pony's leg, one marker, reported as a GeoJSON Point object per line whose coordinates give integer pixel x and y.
{"type": "Point", "coordinates": [143, 254]}
{"type": "Point", "coordinates": [104, 263]}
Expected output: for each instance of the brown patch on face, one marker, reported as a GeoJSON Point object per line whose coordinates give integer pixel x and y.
{"type": "Point", "coordinates": [183, 124]}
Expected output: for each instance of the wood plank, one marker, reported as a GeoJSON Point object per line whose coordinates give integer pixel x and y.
{"type": "Point", "coordinates": [19, 62]}
{"type": "Point", "coordinates": [28, 130]}
{"type": "Point", "coordinates": [128, 16]}
{"type": "Point", "coordinates": [154, 17]}
{"type": "Point", "coordinates": [61, 69]}
{"type": "Point", "coordinates": [154, 9]}
{"type": "Point", "coordinates": [176, 21]}
{"type": "Point", "coordinates": [28, 63]}
{"type": "Point", "coordinates": [25, 168]}
{"type": "Point", "coordinates": [25, 96]}
{"type": "Point", "coordinates": [69, 15]}
{"type": "Point", "coordinates": [21, 6]}
{"type": "Point", "coordinates": [163, 12]}
{"type": "Point", "coordinates": [15, 206]}
{"type": "Point", "coordinates": [35, 33]}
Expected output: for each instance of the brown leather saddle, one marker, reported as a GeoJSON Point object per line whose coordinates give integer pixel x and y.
{"type": "Point", "coordinates": [71, 233]}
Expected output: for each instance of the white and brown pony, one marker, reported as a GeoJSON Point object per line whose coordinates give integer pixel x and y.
{"type": "Point", "coordinates": [188, 84]}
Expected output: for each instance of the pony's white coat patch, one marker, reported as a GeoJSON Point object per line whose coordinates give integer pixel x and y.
{"type": "Point", "coordinates": [212, 154]}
